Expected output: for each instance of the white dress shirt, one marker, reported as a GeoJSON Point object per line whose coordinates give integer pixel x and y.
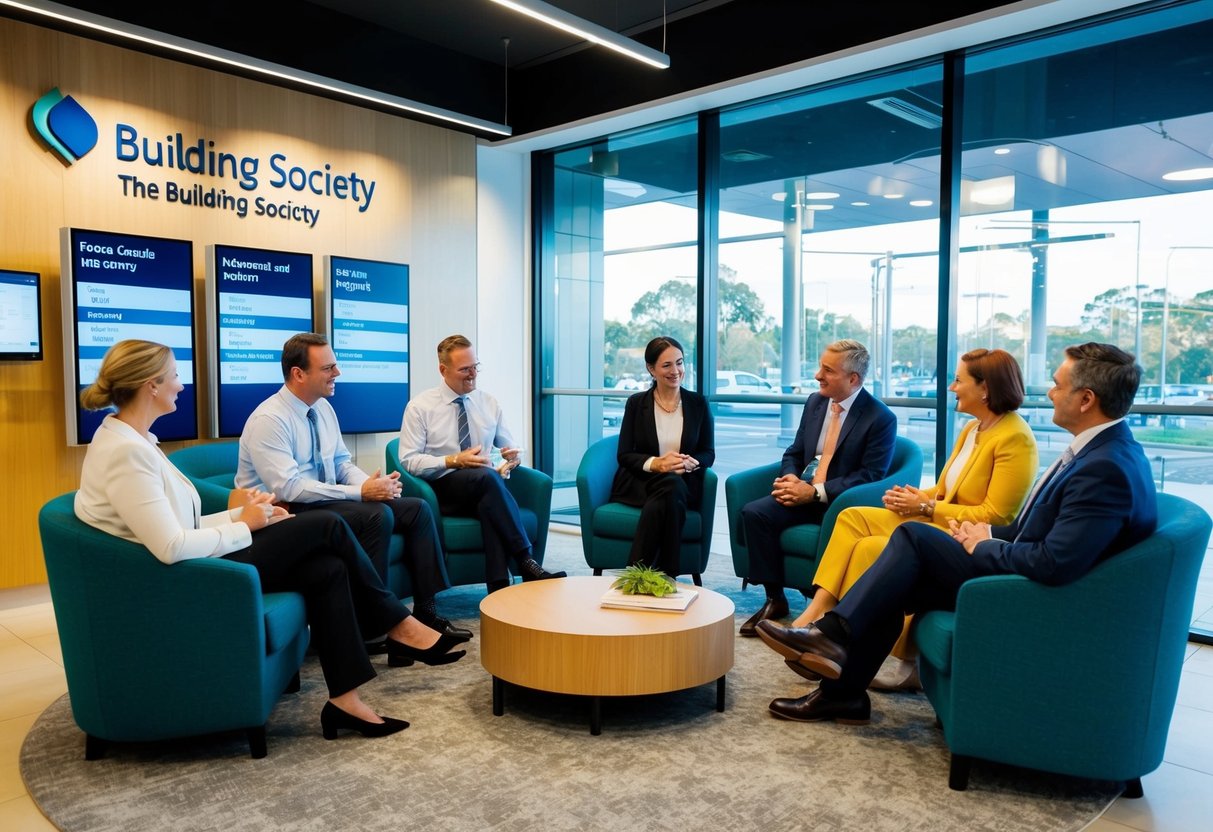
{"type": "Point", "coordinates": [128, 488]}
{"type": "Point", "coordinates": [276, 452]}
{"type": "Point", "coordinates": [430, 429]}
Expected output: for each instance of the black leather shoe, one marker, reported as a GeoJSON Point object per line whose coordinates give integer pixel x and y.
{"type": "Point", "coordinates": [376, 648]}
{"type": "Point", "coordinates": [807, 646]}
{"type": "Point", "coordinates": [400, 654]}
{"type": "Point", "coordinates": [442, 625]}
{"type": "Point", "coordinates": [814, 707]}
{"type": "Point", "coordinates": [802, 671]}
{"type": "Point", "coordinates": [532, 571]}
{"type": "Point", "coordinates": [772, 608]}
{"type": "Point", "coordinates": [333, 719]}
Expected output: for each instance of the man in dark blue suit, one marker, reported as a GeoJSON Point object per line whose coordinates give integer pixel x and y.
{"type": "Point", "coordinates": [808, 480]}
{"type": "Point", "coordinates": [1096, 500]}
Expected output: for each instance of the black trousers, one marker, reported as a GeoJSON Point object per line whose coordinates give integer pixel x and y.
{"type": "Point", "coordinates": [663, 514]}
{"type": "Point", "coordinates": [316, 555]}
{"type": "Point", "coordinates": [374, 522]}
{"type": "Point", "coordinates": [481, 493]}
{"type": "Point", "coordinates": [763, 521]}
{"type": "Point", "coordinates": [921, 568]}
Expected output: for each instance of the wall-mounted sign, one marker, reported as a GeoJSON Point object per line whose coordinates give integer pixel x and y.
{"type": "Point", "coordinates": [256, 299]}
{"type": "Point", "coordinates": [119, 286]}
{"type": "Point", "coordinates": [367, 310]}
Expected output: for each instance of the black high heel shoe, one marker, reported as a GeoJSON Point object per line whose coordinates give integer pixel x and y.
{"type": "Point", "coordinates": [333, 718]}
{"type": "Point", "coordinates": [400, 654]}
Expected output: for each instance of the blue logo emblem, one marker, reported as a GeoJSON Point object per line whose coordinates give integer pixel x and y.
{"type": "Point", "coordinates": [64, 125]}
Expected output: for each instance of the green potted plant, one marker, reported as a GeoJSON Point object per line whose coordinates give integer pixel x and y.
{"type": "Point", "coordinates": [639, 579]}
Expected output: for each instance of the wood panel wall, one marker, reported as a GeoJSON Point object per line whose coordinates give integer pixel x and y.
{"type": "Point", "coordinates": [423, 213]}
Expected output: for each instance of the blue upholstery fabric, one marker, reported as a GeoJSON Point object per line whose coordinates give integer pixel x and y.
{"type": "Point", "coordinates": [607, 528]}
{"type": "Point", "coordinates": [462, 541]}
{"type": "Point", "coordinates": [803, 545]}
{"type": "Point", "coordinates": [153, 651]}
{"type": "Point", "coordinates": [1078, 679]}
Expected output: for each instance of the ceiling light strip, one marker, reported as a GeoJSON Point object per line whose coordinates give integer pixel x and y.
{"type": "Point", "coordinates": [566, 22]}
{"type": "Point", "coordinates": [235, 60]}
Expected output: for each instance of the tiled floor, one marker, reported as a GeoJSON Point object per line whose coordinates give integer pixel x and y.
{"type": "Point", "coordinates": [1179, 795]}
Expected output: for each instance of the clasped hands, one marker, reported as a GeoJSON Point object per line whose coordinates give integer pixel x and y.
{"type": "Point", "coordinates": [379, 488]}
{"type": "Point", "coordinates": [674, 463]}
{"type": "Point", "coordinates": [906, 500]}
{"type": "Point", "coordinates": [968, 534]}
{"type": "Point", "coordinates": [474, 457]}
{"type": "Point", "coordinates": [791, 490]}
{"type": "Point", "coordinates": [257, 509]}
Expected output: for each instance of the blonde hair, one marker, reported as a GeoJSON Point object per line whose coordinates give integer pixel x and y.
{"type": "Point", "coordinates": [127, 366]}
{"type": "Point", "coordinates": [448, 345]}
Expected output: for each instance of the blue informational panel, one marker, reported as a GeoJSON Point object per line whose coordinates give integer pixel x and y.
{"type": "Point", "coordinates": [257, 300]}
{"type": "Point", "coordinates": [20, 316]}
{"type": "Point", "coordinates": [119, 286]}
{"type": "Point", "coordinates": [367, 304]}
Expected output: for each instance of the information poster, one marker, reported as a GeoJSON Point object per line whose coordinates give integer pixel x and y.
{"type": "Point", "coordinates": [120, 286]}
{"type": "Point", "coordinates": [20, 315]}
{"type": "Point", "coordinates": [368, 313]}
{"type": "Point", "coordinates": [258, 299]}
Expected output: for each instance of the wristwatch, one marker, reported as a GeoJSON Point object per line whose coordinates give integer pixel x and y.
{"type": "Point", "coordinates": [817, 493]}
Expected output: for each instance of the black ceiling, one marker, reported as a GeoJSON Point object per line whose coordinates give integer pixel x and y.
{"type": "Point", "coordinates": [449, 53]}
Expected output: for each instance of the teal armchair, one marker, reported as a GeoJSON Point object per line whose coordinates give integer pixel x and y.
{"type": "Point", "coordinates": [212, 470]}
{"type": "Point", "coordinates": [804, 544]}
{"type": "Point", "coordinates": [607, 528]}
{"type": "Point", "coordinates": [461, 538]}
{"type": "Point", "coordinates": [153, 651]}
{"type": "Point", "coordinates": [1078, 679]}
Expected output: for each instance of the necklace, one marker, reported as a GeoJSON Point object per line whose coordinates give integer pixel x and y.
{"type": "Point", "coordinates": [677, 403]}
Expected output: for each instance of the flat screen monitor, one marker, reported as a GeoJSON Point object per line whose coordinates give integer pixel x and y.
{"type": "Point", "coordinates": [20, 316]}
{"type": "Point", "coordinates": [367, 309]}
{"type": "Point", "coordinates": [120, 286]}
{"type": "Point", "coordinates": [257, 299]}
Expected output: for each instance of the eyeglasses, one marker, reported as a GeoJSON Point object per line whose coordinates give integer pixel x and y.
{"type": "Point", "coordinates": [467, 371]}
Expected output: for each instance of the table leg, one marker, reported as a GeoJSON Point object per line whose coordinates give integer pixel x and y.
{"type": "Point", "coordinates": [498, 697]}
{"type": "Point", "coordinates": [720, 694]}
{"type": "Point", "coordinates": [595, 715]}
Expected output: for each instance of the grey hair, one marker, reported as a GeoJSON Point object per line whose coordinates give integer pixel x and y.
{"type": "Point", "coordinates": [855, 358]}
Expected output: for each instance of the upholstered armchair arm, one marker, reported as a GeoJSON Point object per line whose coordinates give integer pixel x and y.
{"type": "Point", "coordinates": [532, 490]}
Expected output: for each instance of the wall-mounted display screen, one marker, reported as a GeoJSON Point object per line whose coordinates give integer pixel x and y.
{"type": "Point", "coordinates": [367, 306]}
{"type": "Point", "coordinates": [256, 300]}
{"type": "Point", "coordinates": [119, 286]}
{"type": "Point", "coordinates": [20, 316]}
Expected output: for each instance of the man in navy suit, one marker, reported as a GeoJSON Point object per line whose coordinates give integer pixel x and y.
{"type": "Point", "coordinates": [1096, 500]}
{"type": "Point", "coordinates": [862, 453]}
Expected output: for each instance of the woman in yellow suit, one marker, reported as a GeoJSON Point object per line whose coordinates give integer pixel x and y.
{"type": "Point", "coordinates": [985, 480]}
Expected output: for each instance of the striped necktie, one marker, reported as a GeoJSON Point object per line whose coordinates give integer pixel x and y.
{"type": "Point", "coordinates": [317, 455]}
{"type": "Point", "coordinates": [465, 433]}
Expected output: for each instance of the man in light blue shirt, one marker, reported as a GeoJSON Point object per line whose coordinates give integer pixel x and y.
{"type": "Point", "coordinates": [292, 447]}
{"type": "Point", "coordinates": [446, 436]}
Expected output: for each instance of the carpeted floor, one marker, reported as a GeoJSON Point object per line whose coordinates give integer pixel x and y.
{"type": "Point", "coordinates": [667, 762]}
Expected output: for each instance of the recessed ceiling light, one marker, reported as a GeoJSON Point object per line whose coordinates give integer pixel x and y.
{"type": "Point", "coordinates": [861, 204]}
{"type": "Point", "coordinates": [1189, 175]}
{"type": "Point", "coordinates": [819, 206]}
{"type": "Point", "coordinates": [893, 196]}
{"type": "Point", "coordinates": [921, 203]}
{"type": "Point", "coordinates": [1002, 151]}
{"type": "Point", "coordinates": [821, 195]}
{"type": "Point", "coordinates": [779, 197]}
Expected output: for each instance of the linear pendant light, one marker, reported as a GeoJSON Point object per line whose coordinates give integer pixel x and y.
{"type": "Point", "coordinates": [138, 34]}
{"type": "Point", "coordinates": [566, 22]}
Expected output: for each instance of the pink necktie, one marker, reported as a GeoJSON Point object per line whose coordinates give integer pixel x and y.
{"type": "Point", "coordinates": [827, 449]}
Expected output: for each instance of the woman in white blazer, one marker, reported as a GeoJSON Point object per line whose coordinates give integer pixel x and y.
{"type": "Point", "coordinates": [129, 489]}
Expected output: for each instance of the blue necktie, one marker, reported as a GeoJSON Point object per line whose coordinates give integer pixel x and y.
{"type": "Point", "coordinates": [465, 433]}
{"type": "Point", "coordinates": [317, 457]}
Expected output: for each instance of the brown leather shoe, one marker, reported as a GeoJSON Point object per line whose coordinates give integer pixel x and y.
{"type": "Point", "coordinates": [814, 707]}
{"type": "Point", "coordinates": [802, 671]}
{"type": "Point", "coordinates": [807, 646]}
{"type": "Point", "coordinates": [773, 608]}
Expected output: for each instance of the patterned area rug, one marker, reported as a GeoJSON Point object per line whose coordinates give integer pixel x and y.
{"type": "Point", "coordinates": [668, 762]}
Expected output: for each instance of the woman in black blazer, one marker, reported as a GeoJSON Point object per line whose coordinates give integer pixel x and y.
{"type": "Point", "coordinates": [665, 443]}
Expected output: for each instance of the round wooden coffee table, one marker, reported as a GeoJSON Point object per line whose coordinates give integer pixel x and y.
{"type": "Point", "coordinates": [554, 636]}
